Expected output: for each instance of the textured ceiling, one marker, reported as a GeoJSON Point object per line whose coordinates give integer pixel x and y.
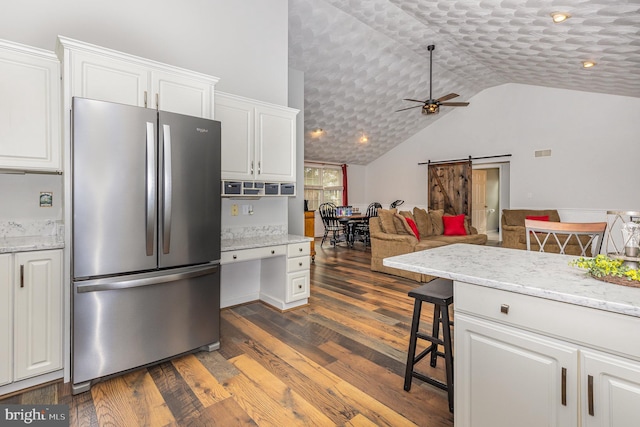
{"type": "Point", "coordinates": [362, 57]}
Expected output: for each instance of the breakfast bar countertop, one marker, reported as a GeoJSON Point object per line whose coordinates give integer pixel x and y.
{"type": "Point", "coordinates": [261, 241]}
{"type": "Point", "coordinates": [538, 274]}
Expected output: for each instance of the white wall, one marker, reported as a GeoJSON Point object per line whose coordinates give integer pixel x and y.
{"type": "Point", "coordinates": [296, 204]}
{"type": "Point", "coordinates": [594, 139]}
{"type": "Point", "coordinates": [244, 43]}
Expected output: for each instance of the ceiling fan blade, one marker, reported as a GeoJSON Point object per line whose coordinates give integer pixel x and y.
{"type": "Point", "coordinates": [454, 104]}
{"type": "Point", "coordinates": [414, 100]}
{"type": "Point", "coordinates": [417, 106]}
{"type": "Point", "coordinates": [447, 97]}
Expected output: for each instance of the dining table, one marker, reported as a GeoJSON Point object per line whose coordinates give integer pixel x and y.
{"type": "Point", "coordinates": [350, 221]}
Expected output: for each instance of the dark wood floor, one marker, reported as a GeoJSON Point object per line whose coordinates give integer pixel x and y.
{"type": "Point", "coordinates": [338, 361]}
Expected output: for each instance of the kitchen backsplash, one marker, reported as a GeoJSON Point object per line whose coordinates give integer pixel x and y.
{"type": "Point", "coordinates": [28, 227]}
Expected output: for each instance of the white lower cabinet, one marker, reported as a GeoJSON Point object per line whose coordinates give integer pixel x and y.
{"type": "Point", "coordinates": [31, 322]}
{"type": "Point", "coordinates": [508, 378]}
{"type": "Point", "coordinates": [525, 361]}
{"type": "Point", "coordinates": [610, 390]}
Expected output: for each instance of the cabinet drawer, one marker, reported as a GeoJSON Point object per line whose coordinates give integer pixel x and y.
{"type": "Point", "coordinates": [297, 286]}
{"type": "Point", "coordinates": [299, 249]}
{"type": "Point", "coordinates": [251, 254]}
{"type": "Point", "coordinates": [300, 263]}
{"type": "Point", "coordinates": [581, 325]}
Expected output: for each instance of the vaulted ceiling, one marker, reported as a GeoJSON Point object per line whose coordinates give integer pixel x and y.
{"type": "Point", "coordinates": [362, 57]}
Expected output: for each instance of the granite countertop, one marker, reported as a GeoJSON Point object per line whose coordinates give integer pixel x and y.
{"type": "Point", "coordinates": [542, 275]}
{"type": "Point", "coordinates": [261, 241]}
{"type": "Point", "coordinates": [30, 243]}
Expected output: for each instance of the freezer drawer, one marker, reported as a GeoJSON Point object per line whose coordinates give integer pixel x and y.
{"type": "Point", "coordinates": [131, 321]}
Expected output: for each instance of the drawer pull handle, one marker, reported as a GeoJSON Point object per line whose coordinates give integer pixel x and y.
{"type": "Point", "coordinates": [22, 276]}
{"type": "Point", "coordinates": [300, 264]}
{"type": "Point", "coordinates": [273, 252]}
{"type": "Point", "coordinates": [504, 308]}
{"type": "Point", "coordinates": [300, 249]}
{"type": "Point", "coordinates": [235, 257]}
{"type": "Point", "coordinates": [590, 393]}
{"type": "Point", "coordinates": [564, 386]}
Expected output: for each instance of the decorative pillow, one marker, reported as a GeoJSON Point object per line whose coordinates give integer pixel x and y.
{"type": "Point", "coordinates": [423, 222]}
{"type": "Point", "coordinates": [402, 226]}
{"type": "Point", "coordinates": [436, 221]}
{"type": "Point", "coordinates": [386, 220]}
{"type": "Point", "coordinates": [538, 218]}
{"type": "Point", "coordinates": [454, 225]}
{"type": "Point", "coordinates": [414, 227]}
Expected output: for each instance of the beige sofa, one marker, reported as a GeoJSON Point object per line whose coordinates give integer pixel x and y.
{"type": "Point", "coordinates": [514, 236]}
{"type": "Point", "coordinates": [391, 236]}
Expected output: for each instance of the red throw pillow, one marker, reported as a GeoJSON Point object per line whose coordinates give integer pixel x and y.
{"type": "Point", "coordinates": [538, 218]}
{"type": "Point", "coordinates": [413, 226]}
{"type": "Point", "coordinates": [454, 225]}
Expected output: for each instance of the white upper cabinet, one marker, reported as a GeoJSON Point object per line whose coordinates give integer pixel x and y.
{"type": "Point", "coordinates": [29, 108]}
{"type": "Point", "coordinates": [108, 75]}
{"type": "Point", "coordinates": [258, 139]}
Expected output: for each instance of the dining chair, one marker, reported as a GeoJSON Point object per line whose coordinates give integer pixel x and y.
{"type": "Point", "coordinates": [331, 223]}
{"type": "Point", "coordinates": [362, 227]}
{"type": "Point", "coordinates": [588, 235]}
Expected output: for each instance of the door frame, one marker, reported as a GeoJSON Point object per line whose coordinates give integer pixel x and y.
{"type": "Point", "coordinates": [504, 182]}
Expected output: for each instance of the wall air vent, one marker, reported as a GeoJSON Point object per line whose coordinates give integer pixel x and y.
{"type": "Point", "coordinates": [543, 153]}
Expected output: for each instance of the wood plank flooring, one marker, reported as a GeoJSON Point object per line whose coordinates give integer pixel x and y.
{"type": "Point", "coordinates": [338, 361]}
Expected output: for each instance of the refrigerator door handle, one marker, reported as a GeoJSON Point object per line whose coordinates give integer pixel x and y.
{"type": "Point", "coordinates": [166, 217]}
{"type": "Point", "coordinates": [117, 283]}
{"type": "Point", "coordinates": [151, 189]}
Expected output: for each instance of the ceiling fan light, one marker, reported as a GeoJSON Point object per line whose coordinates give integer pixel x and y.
{"type": "Point", "coordinates": [559, 17]}
{"type": "Point", "coordinates": [430, 109]}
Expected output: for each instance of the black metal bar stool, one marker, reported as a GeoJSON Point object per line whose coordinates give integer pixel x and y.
{"type": "Point", "coordinates": [438, 292]}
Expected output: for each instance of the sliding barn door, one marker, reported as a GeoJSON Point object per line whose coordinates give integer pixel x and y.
{"type": "Point", "coordinates": [450, 187]}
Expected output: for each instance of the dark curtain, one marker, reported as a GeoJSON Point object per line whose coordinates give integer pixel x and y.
{"type": "Point", "coordinates": [345, 193]}
{"type": "Point", "coordinates": [450, 187]}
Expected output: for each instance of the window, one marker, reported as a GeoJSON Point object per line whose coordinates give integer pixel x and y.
{"type": "Point", "coordinates": [322, 184]}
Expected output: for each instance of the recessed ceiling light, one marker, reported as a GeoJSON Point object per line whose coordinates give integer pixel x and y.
{"type": "Point", "coordinates": [363, 138]}
{"type": "Point", "coordinates": [588, 64]}
{"type": "Point", "coordinates": [560, 17]}
{"type": "Point", "coordinates": [317, 132]}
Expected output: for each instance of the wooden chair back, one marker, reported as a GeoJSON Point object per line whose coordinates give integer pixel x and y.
{"type": "Point", "coordinates": [561, 233]}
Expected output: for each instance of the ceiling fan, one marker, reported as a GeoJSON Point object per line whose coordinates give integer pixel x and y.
{"type": "Point", "coordinates": [432, 106]}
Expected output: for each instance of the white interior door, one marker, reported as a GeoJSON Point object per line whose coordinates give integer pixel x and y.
{"type": "Point", "coordinates": [479, 200]}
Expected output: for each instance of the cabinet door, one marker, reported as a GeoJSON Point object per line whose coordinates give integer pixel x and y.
{"type": "Point", "coordinates": [505, 377]}
{"type": "Point", "coordinates": [237, 121]}
{"type": "Point", "coordinates": [181, 94]}
{"type": "Point", "coordinates": [29, 108]}
{"type": "Point", "coordinates": [275, 144]}
{"type": "Point", "coordinates": [613, 398]}
{"type": "Point", "coordinates": [6, 319]}
{"type": "Point", "coordinates": [109, 79]}
{"type": "Point", "coordinates": [37, 289]}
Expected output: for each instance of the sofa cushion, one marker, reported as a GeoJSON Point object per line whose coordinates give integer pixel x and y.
{"type": "Point", "coordinates": [386, 220]}
{"type": "Point", "coordinates": [517, 216]}
{"type": "Point", "coordinates": [414, 227]}
{"type": "Point", "coordinates": [436, 221]}
{"type": "Point", "coordinates": [402, 226]}
{"type": "Point", "coordinates": [537, 217]}
{"type": "Point", "coordinates": [454, 225]}
{"type": "Point", "coordinates": [423, 222]}
{"type": "Point", "coordinates": [476, 239]}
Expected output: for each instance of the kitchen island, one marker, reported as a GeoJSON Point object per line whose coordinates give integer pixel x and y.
{"type": "Point", "coordinates": [537, 342]}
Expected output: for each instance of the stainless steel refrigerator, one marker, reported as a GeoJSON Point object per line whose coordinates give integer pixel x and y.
{"type": "Point", "coordinates": [146, 237]}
